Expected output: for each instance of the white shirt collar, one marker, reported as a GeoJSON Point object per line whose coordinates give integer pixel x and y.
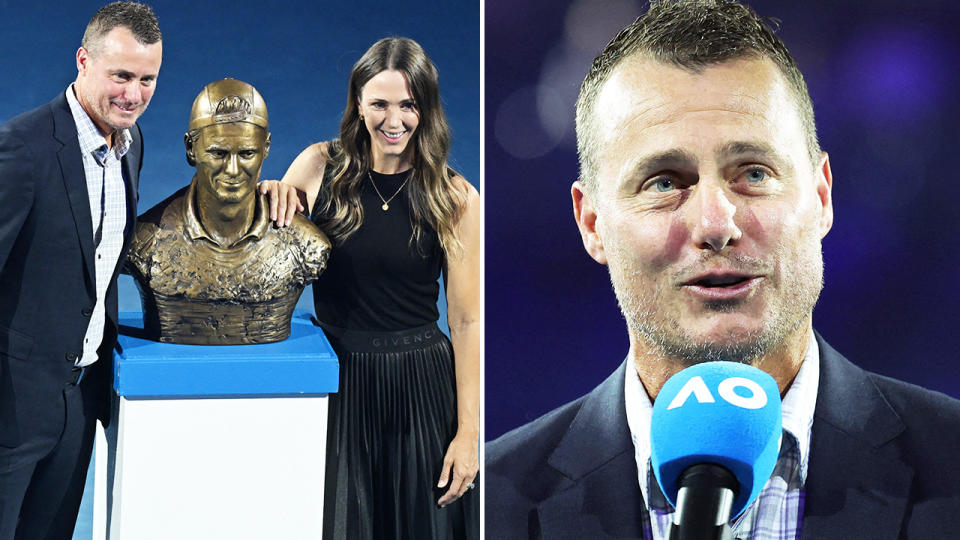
{"type": "Point", "coordinates": [798, 408]}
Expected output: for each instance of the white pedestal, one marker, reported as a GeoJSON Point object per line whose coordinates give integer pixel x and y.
{"type": "Point", "coordinates": [249, 465]}
{"type": "Point", "coordinates": [215, 468]}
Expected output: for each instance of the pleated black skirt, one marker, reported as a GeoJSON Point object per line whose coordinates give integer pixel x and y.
{"type": "Point", "coordinates": [388, 430]}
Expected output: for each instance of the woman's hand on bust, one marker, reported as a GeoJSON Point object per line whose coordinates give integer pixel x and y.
{"type": "Point", "coordinates": [284, 201]}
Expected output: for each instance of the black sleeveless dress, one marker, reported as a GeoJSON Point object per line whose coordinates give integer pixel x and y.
{"type": "Point", "coordinates": [395, 413]}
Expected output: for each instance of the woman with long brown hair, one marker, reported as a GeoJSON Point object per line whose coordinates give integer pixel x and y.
{"type": "Point", "coordinates": [402, 445]}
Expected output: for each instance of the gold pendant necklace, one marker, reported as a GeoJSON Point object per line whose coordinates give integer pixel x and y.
{"type": "Point", "coordinates": [386, 202]}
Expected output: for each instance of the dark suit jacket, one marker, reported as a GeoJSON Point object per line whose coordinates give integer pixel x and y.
{"type": "Point", "coordinates": [47, 289]}
{"type": "Point", "coordinates": [883, 464]}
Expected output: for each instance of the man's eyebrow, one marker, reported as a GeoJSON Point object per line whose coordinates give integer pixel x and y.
{"type": "Point", "coordinates": [131, 75]}
{"type": "Point", "coordinates": [739, 148]}
{"type": "Point", "coordinates": [667, 159]}
{"type": "Point", "coordinates": [758, 150]}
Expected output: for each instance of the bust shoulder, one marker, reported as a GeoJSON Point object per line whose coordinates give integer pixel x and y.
{"type": "Point", "coordinates": [313, 245]}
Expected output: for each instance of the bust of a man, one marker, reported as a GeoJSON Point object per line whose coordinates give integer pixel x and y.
{"type": "Point", "coordinates": [210, 265]}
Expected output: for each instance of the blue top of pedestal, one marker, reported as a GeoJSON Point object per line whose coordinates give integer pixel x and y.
{"type": "Point", "coordinates": [304, 363]}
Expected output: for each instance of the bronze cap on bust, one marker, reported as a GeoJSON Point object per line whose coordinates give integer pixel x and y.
{"type": "Point", "coordinates": [208, 108]}
{"type": "Point", "coordinates": [210, 265]}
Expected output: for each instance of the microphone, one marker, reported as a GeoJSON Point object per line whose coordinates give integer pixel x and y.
{"type": "Point", "coordinates": [714, 441]}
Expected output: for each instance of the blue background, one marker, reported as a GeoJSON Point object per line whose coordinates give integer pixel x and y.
{"type": "Point", "coordinates": [884, 80]}
{"type": "Point", "coordinates": [297, 54]}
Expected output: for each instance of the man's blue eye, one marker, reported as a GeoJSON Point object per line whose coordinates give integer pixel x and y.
{"type": "Point", "coordinates": [664, 184]}
{"type": "Point", "coordinates": [756, 175]}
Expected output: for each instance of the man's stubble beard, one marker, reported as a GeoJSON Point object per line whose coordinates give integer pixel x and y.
{"type": "Point", "coordinates": [651, 320]}
{"type": "Point", "coordinates": [97, 112]}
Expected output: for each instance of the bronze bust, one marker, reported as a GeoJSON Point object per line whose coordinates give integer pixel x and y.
{"type": "Point", "coordinates": [210, 265]}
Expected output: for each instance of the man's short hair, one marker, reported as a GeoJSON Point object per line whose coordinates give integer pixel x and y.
{"type": "Point", "coordinates": [138, 18]}
{"type": "Point", "coordinates": [690, 34]}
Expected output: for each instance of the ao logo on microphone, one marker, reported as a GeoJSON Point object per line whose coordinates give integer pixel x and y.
{"type": "Point", "coordinates": [721, 413]}
{"type": "Point", "coordinates": [727, 389]}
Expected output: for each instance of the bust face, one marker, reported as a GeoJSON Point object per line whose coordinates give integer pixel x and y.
{"type": "Point", "coordinates": [228, 160]}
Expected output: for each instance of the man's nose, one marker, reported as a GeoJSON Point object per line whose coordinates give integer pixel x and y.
{"type": "Point", "coordinates": [713, 217]}
{"type": "Point", "coordinates": [132, 92]}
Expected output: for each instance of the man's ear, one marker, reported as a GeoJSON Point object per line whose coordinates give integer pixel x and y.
{"type": "Point", "coordinates": [586, 216]}
{"type": "Point", "coordinates": [191, 155]}
{"type": "Point", "coordinates": [824, 177]}
{"type": "Point", "coordinates": [266, 146]}
{"type": "Point", "coordinates": [83, 56]}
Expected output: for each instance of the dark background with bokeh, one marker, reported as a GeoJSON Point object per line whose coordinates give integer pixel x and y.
{"type": "Point", "coordinates": [884, 80]}
{"type": "Point", "coordinates": [298, 54]}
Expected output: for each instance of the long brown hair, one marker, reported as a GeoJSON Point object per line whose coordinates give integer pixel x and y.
{"type": "Point", "coordinates": [435, 200]}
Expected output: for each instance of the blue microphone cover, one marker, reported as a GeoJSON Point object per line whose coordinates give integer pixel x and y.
{"type": "Point", "coordinates": [724, 413]}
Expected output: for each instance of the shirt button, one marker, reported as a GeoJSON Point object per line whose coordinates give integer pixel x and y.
{"type": "Point", "coordinates": [72, 357]}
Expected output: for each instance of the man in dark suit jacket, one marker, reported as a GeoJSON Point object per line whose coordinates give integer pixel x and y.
{"type": "Point", "coordinates": [880, 464]}
{"type": "Point", "coordinates": [704, 190]}
{"type": "Point", "coordinates": [68, 193]}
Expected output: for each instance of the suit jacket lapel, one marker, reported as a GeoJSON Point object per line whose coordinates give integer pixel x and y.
{"type": "Point", "coordinates": [131, 177]}
{"type": "Point", "coordinates": [74, 178]}
{"type": "Point", "coordinates": [857, 486]}
{"type": "Point", "coordinates": [596, 455]}
{"type": "Point", "coordinates": [131, 172]}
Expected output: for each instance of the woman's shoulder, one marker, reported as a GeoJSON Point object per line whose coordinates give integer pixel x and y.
{"type": "Point", "coordinates": [467, 194]}
{"type": "Point", "coordinates": [309, 166]}
{"type": "Point", "coordinates": [316, 154]}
